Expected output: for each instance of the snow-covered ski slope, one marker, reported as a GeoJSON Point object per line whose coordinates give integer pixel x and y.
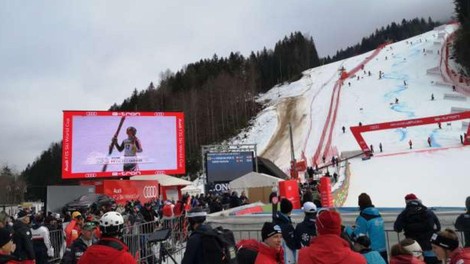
{"type": "Point", "coordinates": [317, 107]}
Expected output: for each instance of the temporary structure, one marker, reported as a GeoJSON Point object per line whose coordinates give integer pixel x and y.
{"type": "Point", "coordinates": [256, 185]}
{"type": "Point", "coordinates": [170, 187]}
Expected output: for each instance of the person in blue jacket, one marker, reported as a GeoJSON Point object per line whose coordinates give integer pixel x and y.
{"type": "Point", "coordinates": [370, 223]}
{"type": "Point", "coordinates": [362, 245]}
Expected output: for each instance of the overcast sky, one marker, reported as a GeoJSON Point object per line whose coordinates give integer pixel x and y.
{"type": "Point", "coordinates": [87, 55]}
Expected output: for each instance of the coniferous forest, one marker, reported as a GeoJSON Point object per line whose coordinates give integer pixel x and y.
{"type": "Point", "coordinates": [462, 40]}
{"type": "Point", "coordinates": [217, 95]}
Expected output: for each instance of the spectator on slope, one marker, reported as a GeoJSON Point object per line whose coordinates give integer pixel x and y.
{"type": "Point", "coordinates": [79, 246]}
{"type": "Point", "coordinates": [419, 223]}
{"type": "Point", "coordinates": [273, 194]}
{"type": "Point", "coordinates": [306, 230]}
{"type": "Point", "coordinates": [22, 238]}
{"type": "Point", "coordinates": [463, 222]}
{"type": "Point", "coordinates": [370, 223]}
{"type": "Point", "coordinates": [110, 248]}
{"type": "Point", "coordinates": [410, 143]}
{"type": "Point", "coordinates": [41, 240]}
{"type": "Point", "coordinates": [283, 219]}
{"type": "Point", "coordinates": [362, 245]}
{"type": "Point", "coordinates": [380, 146]}
{"type": "Point", "coordinates": [7, 247]}
{"type": "Point", "coordinates": [328, 246]}
{"type": "Point", "coordinates": [72, 231]}
{"type": "Point", "coordinates": [269, 251]}
{"type": "Point", "coordinates": [446, 246]}
{"type": "Point", "coordinates": [407, 251]}
{"type": "Point", "coordinates": [244, 199]}
{"type": "Point", "coordinates": [429, 141]}
{"type": "Point", "coordinates": [432, 97]}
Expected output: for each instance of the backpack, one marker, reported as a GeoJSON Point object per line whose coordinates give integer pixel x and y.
{"type": "Point", "coordinates": [218, 246]}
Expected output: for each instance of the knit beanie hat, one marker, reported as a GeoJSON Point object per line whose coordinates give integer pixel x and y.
{"type": "Point", "coordinates": [286, 206]}
{"type": "Point", "coordinates": [269, 230]}
{"type": "Point", "coordinates": [5, 236]}
{"type": "Point", "coordinates": [364, 200]}
{"type": "Point", "coordinates": [328, 222]}
{"type": "Point", "coordinates": [410, 197]}
{"type": "Point", "coordinates": [414, 249]}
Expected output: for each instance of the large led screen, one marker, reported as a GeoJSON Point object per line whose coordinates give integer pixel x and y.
{"type": "Point", "coordinates": [225, 167]}
{"type": "Point", "coordinates": [99, 144]}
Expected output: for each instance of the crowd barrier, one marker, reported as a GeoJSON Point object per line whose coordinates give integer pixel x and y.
{"type": "Point", "coordinates": [140, 238]}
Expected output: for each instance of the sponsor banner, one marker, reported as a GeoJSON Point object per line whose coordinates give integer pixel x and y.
{"type": "Point", "coordinates": [290, 189]}
{"type": "Point", "coordinates": [126, 190]}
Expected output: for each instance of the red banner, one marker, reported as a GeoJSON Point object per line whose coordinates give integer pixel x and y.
{"type": "Point", "coordinates": [290, 189]}
{"type": "Point", "coordinates": [325, 192]}
{"type": "Point", "coordinates": [126, 190]}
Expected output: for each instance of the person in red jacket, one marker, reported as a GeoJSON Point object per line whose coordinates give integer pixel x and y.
{"type": "Point", "coordinates": [72, 231]}
{"type": "Point", "coordinates": [109, 249]}
{"type": "Point", "coordinates": [408, 251]}
{"type": "Point", "coordinates": [446, 246]}
{"type": "Point", "coordinates": [7, 247]}
{"type": "Point", "coordinates": [328, 247]}
{"type": "Point", "coordinates": [267, 252]}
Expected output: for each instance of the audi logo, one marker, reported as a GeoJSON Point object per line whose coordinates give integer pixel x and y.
{"type": "Point", "coordinates": [150, 191]}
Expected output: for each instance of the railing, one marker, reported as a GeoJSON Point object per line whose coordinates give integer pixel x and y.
{"type": "Point", "coordinates": [142, 245]}
{"type": "Point", "coordinates": [140, 240]}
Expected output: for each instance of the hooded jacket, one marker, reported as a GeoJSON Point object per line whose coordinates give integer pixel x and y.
{"type": "Point", "coordinates": [371, 223]}
{"type": "Point", "coordinates": [418, 222]}
{"type": "Point", "coordinates": [329, 249]}
{"type": "Point", "coordinates": [106, 254]}
{"type": "Point", "coordinates": [405, 259]}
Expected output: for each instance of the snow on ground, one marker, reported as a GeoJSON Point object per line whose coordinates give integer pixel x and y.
{"type": "Point", "coordinates": [435, 174]}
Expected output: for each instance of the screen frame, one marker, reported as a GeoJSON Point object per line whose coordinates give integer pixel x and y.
{"type": "Point", "coordinates": [67, 146]}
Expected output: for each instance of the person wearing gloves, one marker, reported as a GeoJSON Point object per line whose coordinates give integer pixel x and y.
{"type": "Point", "coordinates": [328, 246]}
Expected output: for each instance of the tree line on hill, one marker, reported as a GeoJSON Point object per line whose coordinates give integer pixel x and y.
{"type": "Point", "coordinates": [461, 45]}
{"type": "Point", "coordinates": [218, 95]}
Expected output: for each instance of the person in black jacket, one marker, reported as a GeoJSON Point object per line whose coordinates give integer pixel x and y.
{"type": "Point", "coordinates": [463, 223]}
{"type": "Point", "coordinates": [194, 250]}
{"type": "Point", "coordinates": [22, 238]}
{"type": "Point", "coordinates": [283, 220]}
{"type": "Point", "coordinates": [419, 223]}
{"type": "Point", "coordinates": [80, 245]}
{"type": "Point", "coordinates": [306, 230]}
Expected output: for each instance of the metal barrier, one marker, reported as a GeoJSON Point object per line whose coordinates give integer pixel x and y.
{"type": "Point", "coordinates": [139, 240]}
{"type": "Point", "coordinates": [58, 243]}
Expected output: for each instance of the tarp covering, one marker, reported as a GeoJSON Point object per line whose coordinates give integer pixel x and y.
{"type": "Point", "coordinates": [163, 179]}
{"type": "Point", "coordinates": [252, 180]}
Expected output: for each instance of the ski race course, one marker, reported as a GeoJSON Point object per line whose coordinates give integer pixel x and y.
{"type": "Point", "coordinates": [344, 93]}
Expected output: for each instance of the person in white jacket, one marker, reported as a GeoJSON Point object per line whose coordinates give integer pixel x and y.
{"type": "Point", "coordinates": [41, 240]}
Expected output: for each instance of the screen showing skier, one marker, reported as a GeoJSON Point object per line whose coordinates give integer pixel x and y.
{"type": "Point", "coordinates": [99, 144]}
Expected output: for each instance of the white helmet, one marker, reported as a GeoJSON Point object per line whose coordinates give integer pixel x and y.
{"type": "Point", "coordinates": [111, 223]}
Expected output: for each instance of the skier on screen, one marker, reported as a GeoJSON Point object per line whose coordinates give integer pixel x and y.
{"type": "Point", "coordinates": [131, 146]}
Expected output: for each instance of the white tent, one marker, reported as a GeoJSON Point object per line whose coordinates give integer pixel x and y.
{"type": "Point", "coordinates": [260, 185]}
{"type": "Point", "coordinates": [191, 190]}
{"type": "Point", "coordinates": [163, 179]}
